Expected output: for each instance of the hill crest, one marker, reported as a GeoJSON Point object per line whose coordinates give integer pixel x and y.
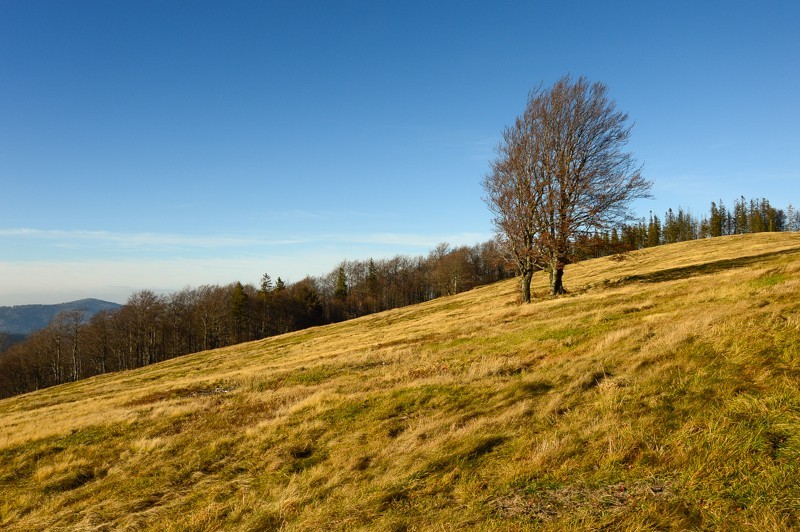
{"type": "Point", "coordinates": [25, 319]}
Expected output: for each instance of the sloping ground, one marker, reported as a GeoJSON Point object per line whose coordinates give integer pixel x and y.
{"type": "Point", "coordinates": [662, 393]}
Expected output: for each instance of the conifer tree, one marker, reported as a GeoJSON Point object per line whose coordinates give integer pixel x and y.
{"type": "Point", "coordinates": [715, 221]}
{"type": "Point", "coordinates": [704, 228]}
{"type": "Point", "coordinates": [687, 226]}
{"type": "Point", "coordinates": [740, 220]}
{"type": "Point", "coordinates": [671, 230]}
{"type": "Point", "coordinates": [792, 218]}
{"type": "Point", "coordinates": [755, 220]}
{"type": "Point", "coordinates": [265, 294]}
{"type": "Point", "coordinates": [682, 226]}
{"type": "Point", "coordinates": [341, 285]}
{"type": "Point", "coordinates": [266, 284]}
{"type": "Point", "coordinates": [725, 219]}
{"type": "Point", "coordinates": [653, 231]}
{"type": "Point", "coordinates": [770, 217]}
{"type": "Point", "coordinates": [372, 279]}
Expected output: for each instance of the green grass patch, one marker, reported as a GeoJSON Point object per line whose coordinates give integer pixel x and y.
{"type": "Point", "coordinates": [770, 279]}
{"type": "Point", "coordinates": [309, 376]}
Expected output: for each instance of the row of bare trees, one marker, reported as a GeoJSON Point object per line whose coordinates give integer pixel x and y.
{"type": "Point", "coordinates": [151, 327]}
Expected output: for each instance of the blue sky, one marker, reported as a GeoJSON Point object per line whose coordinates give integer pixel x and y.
{"type": "Point", "coordinates": [164, 144]}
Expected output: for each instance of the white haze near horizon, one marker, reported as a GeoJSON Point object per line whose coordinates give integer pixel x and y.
{"type": "Point", "coordinates": [111, 266]}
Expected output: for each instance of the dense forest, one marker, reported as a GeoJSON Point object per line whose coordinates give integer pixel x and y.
{"type": "Point", "coordinates": [150, 327]}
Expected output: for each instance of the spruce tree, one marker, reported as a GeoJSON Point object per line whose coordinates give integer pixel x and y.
{"type": "Point", "coordinates": [769, 216]}
{"type": "Point", "coordinates": [755, 220]}
{"type": "Point", "coordinates": [266, 284]}
{"type": "Point", "coordinates": [792, 219]}
{"type": "Point", "coordinates": [740, 220]}
{"type": "Point", "coordinates": [341, 285]}
{"type": "Point", "coordinates": [372, 279]}
{"type": "Point", "coordinates": [725, 219]}
{"type": "Point", "coordinates": [671, 231]}
{"type": "Point", "coordinates": [705, 228]}
{"type": "Point", "coordinates": [265, 294]}
{"type": "Point", "coordinates": [715, 221]}
{"type": "Point", "coordinates": [654, 231]}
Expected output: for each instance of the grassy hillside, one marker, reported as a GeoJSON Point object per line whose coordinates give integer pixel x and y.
{"type": "Point", "coordinates": [662, 393]}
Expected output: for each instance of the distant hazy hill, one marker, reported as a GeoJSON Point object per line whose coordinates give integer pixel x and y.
{"type": "Point", "coordinates": [25, 319]}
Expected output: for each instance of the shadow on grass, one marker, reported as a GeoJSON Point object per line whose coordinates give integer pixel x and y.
{"type": "Point", "coordinates": [708, 268]}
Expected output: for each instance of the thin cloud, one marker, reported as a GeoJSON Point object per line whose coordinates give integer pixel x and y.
{"type": "Point", "coordinates": [63, 238]}
{"type": "Point", "coordinates": [407, 239]}
{"type": "Point", "coordinates": [114, 276]}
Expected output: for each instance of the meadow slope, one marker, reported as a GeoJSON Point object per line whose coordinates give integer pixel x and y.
{"type": "Point", "coordinates": [663, 392]}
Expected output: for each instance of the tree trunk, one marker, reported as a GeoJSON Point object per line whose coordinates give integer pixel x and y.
{"type": "Point", "coordinates": [556, 282]}
{"type": "Point", "coordinates": [525, 285]}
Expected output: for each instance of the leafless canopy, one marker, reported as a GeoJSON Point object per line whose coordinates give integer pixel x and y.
{"type": "Point", "coordinates": [560, 172]}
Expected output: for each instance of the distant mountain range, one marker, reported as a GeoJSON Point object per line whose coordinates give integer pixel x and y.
{"type": "Point", "coordinates": [25, 319]}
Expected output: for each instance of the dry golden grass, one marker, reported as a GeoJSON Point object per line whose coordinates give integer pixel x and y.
{"type": "Point", "coordinates": [662, 393]}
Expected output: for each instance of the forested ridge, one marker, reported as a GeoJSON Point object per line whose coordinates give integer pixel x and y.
{"type": "Point", "coordinates": [151, 328]}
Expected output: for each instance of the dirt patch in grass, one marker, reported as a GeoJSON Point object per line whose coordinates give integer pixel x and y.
{"type": "Point", "coordinates": [201, 390]}
{"type": "Point", "coordinates": [545, 503]}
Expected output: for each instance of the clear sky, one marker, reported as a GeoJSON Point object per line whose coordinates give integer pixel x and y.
{"type": "Point", "coordinates": [160, 144]}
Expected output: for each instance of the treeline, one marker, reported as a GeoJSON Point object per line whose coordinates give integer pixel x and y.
{"type": "Point", "coordinates": [151, 328]}
{"type": "Point", "coordinates": [746, 216]}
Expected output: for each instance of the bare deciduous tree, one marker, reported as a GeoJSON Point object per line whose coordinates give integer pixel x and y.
{"type": "Point", "coordinates": [561, 172]}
